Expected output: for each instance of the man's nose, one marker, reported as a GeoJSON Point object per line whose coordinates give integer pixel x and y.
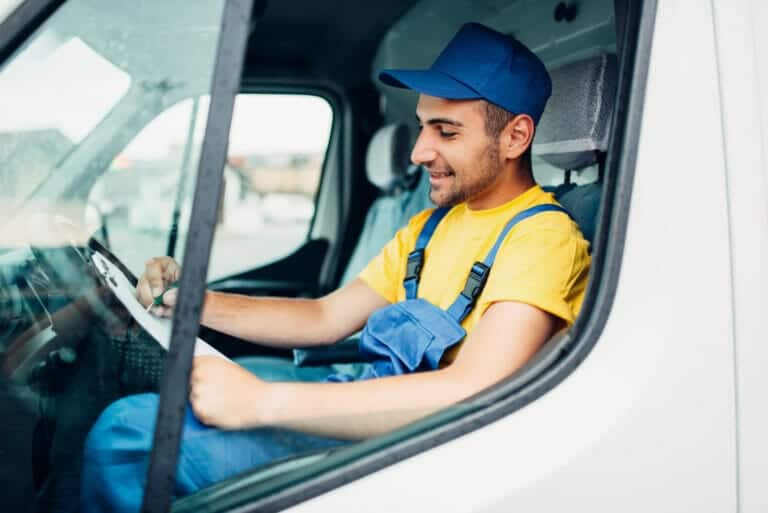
{"type": "Point", "coordinates": [423, 152]}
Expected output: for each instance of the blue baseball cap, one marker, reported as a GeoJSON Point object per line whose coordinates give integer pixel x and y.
{"type": "Point", "coordinates": [480, 63]}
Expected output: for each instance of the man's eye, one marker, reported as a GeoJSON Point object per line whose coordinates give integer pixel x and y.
{"type": "Point", "coordinates": [447, 135]}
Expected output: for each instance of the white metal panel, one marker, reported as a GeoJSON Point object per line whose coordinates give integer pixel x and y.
{"type": "Point", "coordinates": [738, 59]}
{"type": "Point", "coordinates": [759, 16]}
{"type": "Point", "coordinates": [646, 423]}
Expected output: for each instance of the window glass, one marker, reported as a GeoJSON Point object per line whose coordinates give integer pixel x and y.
{"type": "Point", "coordinates": [7, 7]}
{"type": "Point", "coordinates": [276, 152]}
{"type": "Point", "coordinates": [41, 123]}
{"type": "Point", "coordinates": [71, 100]}
{"type": "Point", "coordinates": [135, 198]}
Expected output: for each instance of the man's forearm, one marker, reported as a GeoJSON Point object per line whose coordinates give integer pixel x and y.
{"type": "Point", "coordinates": [361, 409]}
{"type": "Point", "coordinates": [278, 322]}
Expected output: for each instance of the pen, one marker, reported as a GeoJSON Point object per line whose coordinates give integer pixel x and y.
{"type": "Point", "coordinates": [159, 299]}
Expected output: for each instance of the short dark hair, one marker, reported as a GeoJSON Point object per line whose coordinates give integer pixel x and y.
{"type": "Point", "coordinates": [496, 119]}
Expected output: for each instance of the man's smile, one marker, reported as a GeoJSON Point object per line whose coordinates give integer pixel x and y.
{"type": "Point", "coordinates": [437, 177]}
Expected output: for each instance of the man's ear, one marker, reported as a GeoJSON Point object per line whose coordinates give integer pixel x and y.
{"type": "Point", "coordinates": [517, 136]}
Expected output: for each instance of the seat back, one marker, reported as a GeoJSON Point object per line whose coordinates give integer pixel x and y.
{"type": "Point", "coordinates": [574, 131]}
{"type": "Point", "coordinates": [404, 191]}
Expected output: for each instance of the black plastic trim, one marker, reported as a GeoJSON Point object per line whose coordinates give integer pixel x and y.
{"type": "Point", "coordinates": [362, 459]}
{"type": "Point", "coordinates": [298, 268]}
{"type": "Point", "coordinates": [174, 386]}
{"type": "Point", "coordinates": [24, 20]}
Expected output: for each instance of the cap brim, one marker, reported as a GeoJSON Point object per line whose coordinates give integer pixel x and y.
{"type": "Point", "coordinates": [433, 83]}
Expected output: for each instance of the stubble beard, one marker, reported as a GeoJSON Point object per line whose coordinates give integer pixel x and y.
{"type": "Point", "coordinates": [488, 169]}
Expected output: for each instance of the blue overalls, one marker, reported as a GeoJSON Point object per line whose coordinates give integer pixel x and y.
{"type": "Point", "coordinates": [403, 337]}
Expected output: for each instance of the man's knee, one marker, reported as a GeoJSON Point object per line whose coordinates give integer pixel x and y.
{"type": "Point", "coordinates": [116, 455]}
{"type": "Point", "coordinates": [125, 426]}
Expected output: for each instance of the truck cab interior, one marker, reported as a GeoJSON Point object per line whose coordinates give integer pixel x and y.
{"type": "Point", "coordinates": [104, 114]}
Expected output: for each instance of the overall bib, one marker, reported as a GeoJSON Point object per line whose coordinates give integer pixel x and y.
{"type": "Point", "coordinates": [403, 337]}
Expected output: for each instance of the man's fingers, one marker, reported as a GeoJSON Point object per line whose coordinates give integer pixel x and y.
{"type": "Point", "coordinates": [143, 292]}
{"type": "Point", "coordinates": [171, 270]}
{"type": "Point", "coordinates": [176, 272]}
{"type": "Point", "coordinates": [169, 298]}
{"type": "Point", "coordinates": [159, 273]}
{"type": "Point", "coordinates": [153, 273]}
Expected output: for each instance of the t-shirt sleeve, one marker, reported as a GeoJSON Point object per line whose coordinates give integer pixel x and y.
{"type": "Point", "coordinates": [540, 266]}
{"type": "Point", "coordinates": [386, 271]}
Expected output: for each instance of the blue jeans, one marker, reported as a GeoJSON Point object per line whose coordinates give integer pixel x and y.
{"type": "Point", "coordinates": [119, 444]}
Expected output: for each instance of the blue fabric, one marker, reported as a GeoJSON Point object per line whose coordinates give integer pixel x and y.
{"type": "Point", "coordinates": [425, 235]}
{"type": "Point", "coordinates": [118, 446]}
{"type": "Point", "coordinates": [405, 337]}
{"type": "Point", "coordinates": [482, 63]}
{"type": "Point", "coordinates": [464, 304]}
{"type": "Point", "coordinates": [525, 214]}
{"type": "Point", "coordinates": [411, 283]}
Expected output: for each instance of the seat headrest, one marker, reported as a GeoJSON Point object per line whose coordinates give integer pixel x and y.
{"type": "Point", "coordinates": [388, 156]}
{"type": "Point", "coordinates": [576, 123]}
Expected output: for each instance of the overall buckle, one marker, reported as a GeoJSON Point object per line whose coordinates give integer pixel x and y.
{"type": "Point", "coordinates": [414, 265]}
{"type": "Point", "coordinates": [476, 281]}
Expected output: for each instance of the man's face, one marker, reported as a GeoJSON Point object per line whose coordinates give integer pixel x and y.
{"type": "Point", "coordinates": [463, 161]}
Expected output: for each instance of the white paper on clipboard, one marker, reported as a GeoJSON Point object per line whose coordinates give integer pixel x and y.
{"type": "Point", "coordinates": [158, 327]}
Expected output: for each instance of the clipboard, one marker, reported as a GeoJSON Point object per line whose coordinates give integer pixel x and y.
{"type": "Point", "coordinates": [159, 328]}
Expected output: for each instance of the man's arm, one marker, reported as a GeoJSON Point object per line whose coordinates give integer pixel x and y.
{"type": "Point", "coordinates": [279, 322]}
{"type": "Point", "coordinates": [508, 334]}
{"type": "Point", "coordinates": [292, 322]}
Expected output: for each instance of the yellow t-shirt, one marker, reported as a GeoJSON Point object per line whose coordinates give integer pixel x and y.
{"type": "Point", "coordinates": [543, 261]}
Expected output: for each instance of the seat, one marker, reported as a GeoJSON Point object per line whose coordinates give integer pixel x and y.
{"type": "Point", "coordinates": [574, 132]}
{"type": "Point", "coordinates": [403, 192]}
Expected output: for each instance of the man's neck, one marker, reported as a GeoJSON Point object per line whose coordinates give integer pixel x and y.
{"type": "Point", "coordinates": [508, 186]}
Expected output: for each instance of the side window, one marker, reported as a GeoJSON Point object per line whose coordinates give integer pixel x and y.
{"type": "Point", "coordinates": [276, 151]}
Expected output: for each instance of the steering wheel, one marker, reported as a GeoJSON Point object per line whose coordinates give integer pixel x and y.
{"type": "Point", "coordinates": [61, 294]}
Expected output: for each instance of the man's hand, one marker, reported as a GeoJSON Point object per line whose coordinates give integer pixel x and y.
{"type": "Point", "coordinates": [159, 274]}
{"type": "Point", "coordinates": [225, 395]}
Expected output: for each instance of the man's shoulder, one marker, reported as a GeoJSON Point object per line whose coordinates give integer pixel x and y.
{"type": "Point", "coordinates": [418, 220]}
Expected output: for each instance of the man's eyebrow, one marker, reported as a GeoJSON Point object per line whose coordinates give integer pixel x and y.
{"type": "Point", "coordinates": [441, 121]}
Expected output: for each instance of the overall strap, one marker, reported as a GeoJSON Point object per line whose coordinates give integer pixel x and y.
{"type": "Point", "coordinates": [416, 257]}
{"type": "Point", "coordinates": [480, 271]}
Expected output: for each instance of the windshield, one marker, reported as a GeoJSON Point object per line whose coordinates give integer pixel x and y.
{"type": "Point", "coordinates": [72, 98]}
{"type": "Point", "coordinates": [7, 7]}
{"type": "Point", "coordinates": [42, 124]}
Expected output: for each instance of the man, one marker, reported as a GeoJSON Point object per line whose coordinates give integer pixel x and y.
{"type": "Point", "coordinates": [477, 108]}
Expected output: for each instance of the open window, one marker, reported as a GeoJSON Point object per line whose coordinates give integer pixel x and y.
{"type": "Point", "coordinates": [278, 144]}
